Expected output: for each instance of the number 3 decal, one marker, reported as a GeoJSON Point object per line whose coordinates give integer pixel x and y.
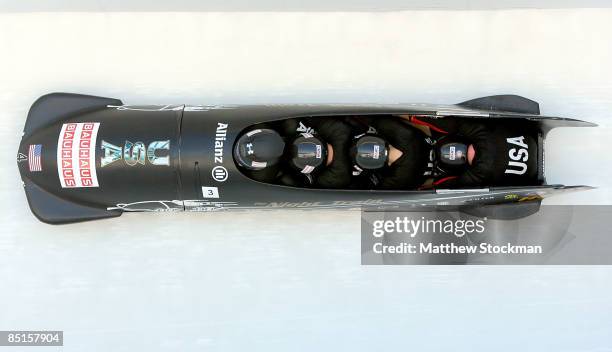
{"type": "Point", "coordinates": [210, 192]}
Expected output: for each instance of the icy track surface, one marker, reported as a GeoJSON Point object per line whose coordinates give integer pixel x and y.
{"type": "Point", "coordinates": [285, 280]}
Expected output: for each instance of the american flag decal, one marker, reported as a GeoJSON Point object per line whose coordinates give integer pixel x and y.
{"type": "Point", "coordinates": [34, 157]}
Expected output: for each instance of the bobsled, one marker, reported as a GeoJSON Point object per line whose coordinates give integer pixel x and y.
{"type": "Point", "coordinates": [84, 157]}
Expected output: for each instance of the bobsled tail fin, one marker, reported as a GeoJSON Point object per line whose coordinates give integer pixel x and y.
{"type": "Point", "coordinates": [505, 103]}
{"type": "Point", "coordinates": [52, 209]}
{"type": "Point", "coordinates": [53, 107]}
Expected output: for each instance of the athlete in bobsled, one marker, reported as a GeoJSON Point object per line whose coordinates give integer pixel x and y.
{"type": "Point", "coordinates": [306, 152]}
{"type": "Point", "coordinates": [388, 153]}
{"type": "Point", "coordinates": [469, 153]}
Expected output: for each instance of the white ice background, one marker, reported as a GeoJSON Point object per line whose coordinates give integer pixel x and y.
{"type": "Point", "coordinates": [292, 280]}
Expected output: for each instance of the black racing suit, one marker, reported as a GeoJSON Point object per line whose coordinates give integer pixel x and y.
{"type": "Point", "coordinates": [333, 131]}
{"type": "Point", "coordinates": [506, 154]}
{"type": "Point", "coordinates": [408, 171]}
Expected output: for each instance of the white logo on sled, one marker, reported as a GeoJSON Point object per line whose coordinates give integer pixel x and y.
{"type": "Point", "coordinates": [135, 153]}
{"type": "Point", "coordinates": [517, 165]}
{"type": "Point", "coordinates": [219, 173]}
{"type": "Point", "coordinates": [220, 136]}
{"type": "Point", "coordinates": [304, 128]}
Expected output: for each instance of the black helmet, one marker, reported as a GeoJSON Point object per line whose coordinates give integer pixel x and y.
{"type": "Point", "coordinates": [258, 149]}
{"type": "Point", "coordinates": [370, 152]}
{"type": "Point", "coordinates": [451, 154]}
{"type": "Point", "coordinates": [308, 153]}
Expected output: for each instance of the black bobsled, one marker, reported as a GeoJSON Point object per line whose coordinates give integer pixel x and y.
{"type": "Point", "coordinates": [84, 157]}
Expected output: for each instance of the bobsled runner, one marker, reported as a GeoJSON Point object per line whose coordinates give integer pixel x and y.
{"type": "Point", "coordinates": [85, 157]}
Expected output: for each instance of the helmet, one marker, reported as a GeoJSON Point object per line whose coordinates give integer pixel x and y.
{"type": "Point", "coordinates": [308, 153]}
{"type": "Point", "coordinates": [370, 152]}
{"type": "Point", "coordinates": [258, 149]}
{"type": "Point", "coordinates": [452, 155]}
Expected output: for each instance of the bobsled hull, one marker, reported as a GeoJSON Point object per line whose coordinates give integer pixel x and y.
{"type": "Point", "coordinates": [85, 157]}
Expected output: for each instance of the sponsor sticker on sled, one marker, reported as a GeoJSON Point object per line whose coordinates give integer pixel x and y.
{"type": "Point", "coordinates": [76, 164]}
